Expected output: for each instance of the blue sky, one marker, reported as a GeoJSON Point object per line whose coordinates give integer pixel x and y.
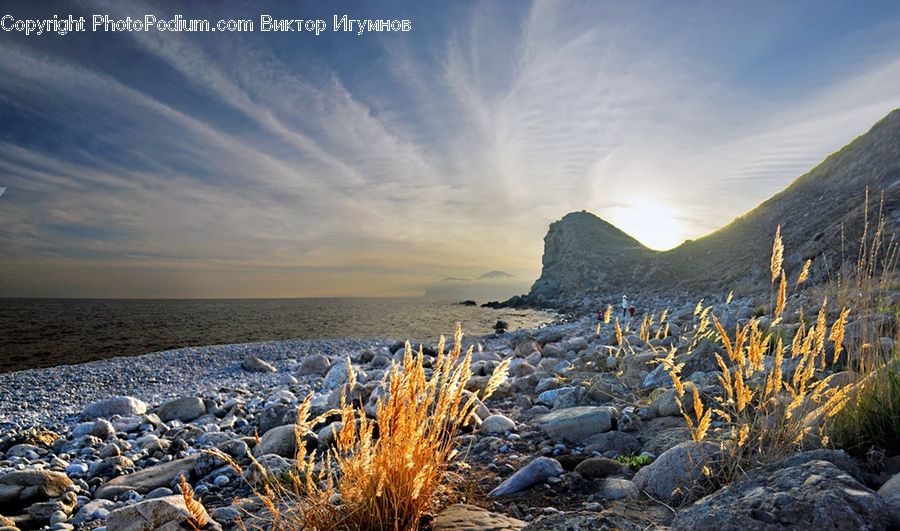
{"type": "Point", "coordinates": [258, 164]}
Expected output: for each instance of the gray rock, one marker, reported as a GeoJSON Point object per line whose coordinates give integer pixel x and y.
{"type": "Point", "coordinates": [658, 377]}
{"type": "Point", "coordinates": [254, 364]}
{"type": "Point", "coordinates": [143, 481]}
{"type": "Point", "coordinates": [120, 405]}
{"type": "Point", "coordinates": [812, 495]}
{"type": "Point", "coordinates": [184, 409]}
{"type": "Point", "coordinates": [93, 510]}
{"type": "Point", "coordinates": [612, 444]}
{"type": "Point", "coordinates": [535, 472]}
{"type": "Point", "coordinates": [676, 477]}
{"type": "Point", "coordinates": [316, 365]}
{"type": "Point", "coordinates": [577, 424]}
{"type": "Point", "coordinates": [617, 489]}
{"type": "Point", "coordinates": [598, 467]}
{"type": "Point", "coordinates": [279, 441]}
{"type": "Point", "coordinates": [665, 404]}
{"type": "Point", "coordinates": [164, 514]}
{"type": "Point", "coordinates": [497, 424]}
{"type": "Point", "coordinates": [890, 493]}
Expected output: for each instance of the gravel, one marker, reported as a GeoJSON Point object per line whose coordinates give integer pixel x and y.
{"type": "Point", "coordinates": [54, 396]}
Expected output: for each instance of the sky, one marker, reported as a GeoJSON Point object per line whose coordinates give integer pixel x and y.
{"type": "Point", "coordinates": [261, 164]}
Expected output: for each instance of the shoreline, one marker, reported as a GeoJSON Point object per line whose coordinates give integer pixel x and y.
{"type": "Point", "coordinates": [43, 396]}
{"type": "Point", "coordinates": [52, 397]}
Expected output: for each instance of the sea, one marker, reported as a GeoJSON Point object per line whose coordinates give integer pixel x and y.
{"type": "Point", "coordinates": [49, 332]}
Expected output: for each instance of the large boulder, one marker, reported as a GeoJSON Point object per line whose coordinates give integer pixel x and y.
{"type": "Point", "coordinates": [812, 495]}
{"type": "Point", "coordinates": [184, 409]}
{"type": "Point", "coordinates": [577, 424]}
{"type": "Point", "coordinates": [461, 517]}
{"type": "Point", "coordinates": [677, 476]}
{"type": "Point", "coordinates": [23, 487]}
{"type": "Point", "coordinates": [125, 406]}
{"type": "Point", "coordinates": [160, 514]}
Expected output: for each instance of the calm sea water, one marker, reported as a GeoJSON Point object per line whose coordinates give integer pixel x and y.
{"type": "Point", "coordinates": [48, 332]}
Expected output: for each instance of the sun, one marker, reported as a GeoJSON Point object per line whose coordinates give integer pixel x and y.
{"type": "Point", "coordinates": [650, 221]}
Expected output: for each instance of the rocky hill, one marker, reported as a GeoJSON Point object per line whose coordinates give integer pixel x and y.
{"type": "Point", "coordinates": [585, 256]}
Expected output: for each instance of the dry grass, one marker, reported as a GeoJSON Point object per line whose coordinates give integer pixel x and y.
{"type": "Point", "coordinates": [775, 396]}
{"type": "Point", "coordinates": [383, 473]}
{"type": "Point", "coordinates": [764, 412]}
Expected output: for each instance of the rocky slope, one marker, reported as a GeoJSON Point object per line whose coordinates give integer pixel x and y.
{"type": "Point", "coordinates": [585, 256]}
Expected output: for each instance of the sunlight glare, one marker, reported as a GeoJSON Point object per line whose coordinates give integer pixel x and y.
{"type": "Point", "coordinates": [650, 221]}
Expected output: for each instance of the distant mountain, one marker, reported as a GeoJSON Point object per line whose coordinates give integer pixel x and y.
{"type": "Point", "coordinates": [496, 274]}
{"type": "Point", "coordinates": [491, 286]}
{"type": "Point", "coordinates": [586, 256]}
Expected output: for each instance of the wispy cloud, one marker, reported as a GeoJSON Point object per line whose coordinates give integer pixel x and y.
{"type": "Point", "coordinates": [246, 165]}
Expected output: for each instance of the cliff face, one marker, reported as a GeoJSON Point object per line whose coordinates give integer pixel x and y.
{"type": "Point", "coordinates": [586, 256]}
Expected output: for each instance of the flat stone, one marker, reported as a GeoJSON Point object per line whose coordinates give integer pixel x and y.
{"type": "Point", "coordinates": [184, 409]}
{"type": "Point", "coordinates": [120, 405]}
{"type": "Point", "coordinates": [576, 424]}
{"type": "Point", "coordinates": [164, 514]}
{"type": "Point", "coordinates": [23, 487]}
{"type": "Point", "coordinates": [461, 517]}
{"type": "Point", "coordinates": [143, 481]}
{"type": "Point", "coordinates": [254, 364]}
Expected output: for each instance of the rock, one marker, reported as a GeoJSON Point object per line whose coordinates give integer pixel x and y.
{"type": "Point", "coordinates": [583, 521]}
{"type": "Point", "coordinates": [143, 481]}
{"type": "Point", "coordinates": [618, 489]}
{"type": "Point", "coordinates": [279, 441]}
{"type": "Point", "coordinates": [101, 429]}
{"type": "Point", "coordinates": [890, 493]}
{"type": "Point", "coordinates": [326, 436]}
{"type": "Point", "coordinates": [577, 424]}
{"type": "Point", "coordinates": [44, 511]}
{"type": "Point", "coordinates": [665, 404]}
{"type": "Point", "coordinates": [184, 409]}
{"type": "Point", "coordinates": [676, 476]}
{"type": "Point", "coordinates": [93, 510]}
{"type": "Point", "coordinates": [23, 487]}
{"type": "Point", "coordinates": [612, 444]}
{"type": "Point", "coordinates": [120, 405]}
{"type": "Point", "coordinates": [537, 471]}
{"type": "Point", "coordinates": [254, 364]}
{"type": "Point", "coordinates": [110, 467]}
{"type": "Point", "coordinates": [497, 424]}
{"type": "Point", "coordinates": [338, 376]}
{"type": "Point", "coordinates": [813, 495]}
{"type": "Point", "coordinates": [272, 465]}
{"type": "Point", "coordinates": [658, 377]}
{"type": "Point", "coordinates": [164, 514]}
{"type": "Point", "coordinates": [315, 365]}
{"type": "Point", "coordinates": [460, 517]}
{"type": "Point", "coordinates": [598, 467]}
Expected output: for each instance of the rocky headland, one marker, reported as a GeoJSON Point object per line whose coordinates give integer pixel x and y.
{"type": "Point", "coordinates": [600, 423]}
{"type": "Point", "coordinates": [821, 215]}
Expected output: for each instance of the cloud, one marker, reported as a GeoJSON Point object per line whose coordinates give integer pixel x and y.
{"type": "Point", "coordinates": [230, 165]}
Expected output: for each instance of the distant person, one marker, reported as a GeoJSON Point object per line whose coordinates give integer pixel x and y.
{"type": "Point", "coordinates": [631, 311]}
{"type": "Point", "coordinates": [624, 305]}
